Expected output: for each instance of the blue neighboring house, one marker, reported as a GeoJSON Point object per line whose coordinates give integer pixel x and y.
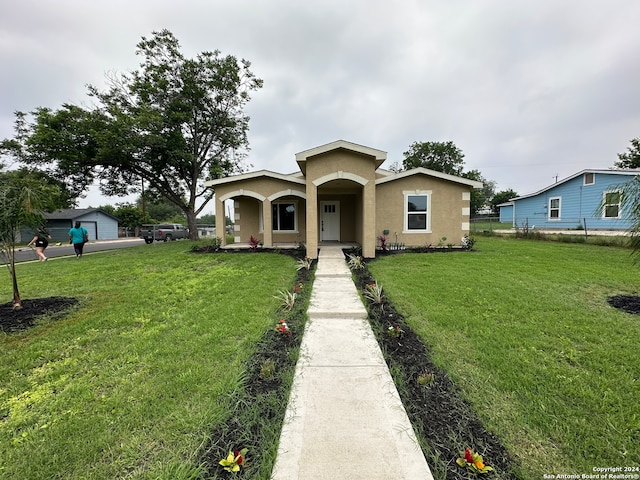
{"type": "Point", "coordinates": [588, 199]}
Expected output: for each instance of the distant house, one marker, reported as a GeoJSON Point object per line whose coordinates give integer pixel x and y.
{"type": "Point", "coordinates": [506, 212]}
{"type": "Point", "coordinates": [99, 224]}
{"type": "Point", "coordinates": [588, 198]}
{"type": "Point", "coordinates": [340, 194]}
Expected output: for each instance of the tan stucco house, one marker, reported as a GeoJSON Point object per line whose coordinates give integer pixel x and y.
{"type": "Point", "coordinates": [341, 195]}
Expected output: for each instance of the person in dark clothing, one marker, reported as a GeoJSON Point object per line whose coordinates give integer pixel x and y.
{"type": "Point", "coordinates": [41, 241]}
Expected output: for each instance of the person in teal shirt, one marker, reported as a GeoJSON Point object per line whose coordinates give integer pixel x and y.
{"type": "Point", "coordinates": [78, 236]}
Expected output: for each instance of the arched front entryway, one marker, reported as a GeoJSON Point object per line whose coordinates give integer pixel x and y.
{"type": "Point", "coordinates": [343, 209]}
{"type": "Point", "coordinates": [277, 218]}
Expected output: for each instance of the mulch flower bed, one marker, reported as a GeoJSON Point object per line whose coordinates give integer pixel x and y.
{"type": "Point", "coordinates": [627, 303]}
{"type": "Point", "coordinates": [433, 403]}
{"type": "Point", "coordinates": [32, 309]}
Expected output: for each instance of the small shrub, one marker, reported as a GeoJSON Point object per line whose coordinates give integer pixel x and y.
{"type": "Point", "coordinates": [357, 251]}
{"type": "Point", "coordinates": [287, 298]}
{"type": "Point", "coordinates": [282, 328]}
{"type": "Point", "coordinates": [267, 369]}
{"type": "Point", "coordinates": [254, 243]}
{"type": "Point", "coordinates": [373, 292]}
{"type": "Point", "coordinates": [212, 246]}
{"type": "Point", "coordinates": [467, 242]}
{"type": "Point", "coordinates": [395, 332]}
{"type": "Point", "coordinates": [304, 264]}
{"type": "Point", "coordinates": [355, 262]}
{"type": "Point", "coordinates": [383, 243]}
{"type": "Point", "coordinates": [426, 378]}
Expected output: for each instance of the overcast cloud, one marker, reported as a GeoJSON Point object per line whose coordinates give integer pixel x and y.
{"type": "Point", "coordinates": [528, 90]}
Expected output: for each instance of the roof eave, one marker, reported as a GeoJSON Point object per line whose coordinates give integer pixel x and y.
{"type": "Point", "coordinates": [294, 178]}
{"type": "Point", "coordinates": [432, 173]}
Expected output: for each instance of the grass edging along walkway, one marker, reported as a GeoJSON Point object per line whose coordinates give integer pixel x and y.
{"type": "Point", "coordinates": [524, 330]}
{"type": "Point", "coordinates": [131, 382]}
{"type": "Point", "coordinates": [444, 422]}
{"type": "Point", "coordinates": [258, 406]}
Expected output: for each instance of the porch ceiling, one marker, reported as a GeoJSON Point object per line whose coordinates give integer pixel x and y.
{"type": "Point", "coordinates": [339, 186]}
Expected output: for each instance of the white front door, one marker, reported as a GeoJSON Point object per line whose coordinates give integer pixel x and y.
{"type": "Point", "coordinates": [329, 221]}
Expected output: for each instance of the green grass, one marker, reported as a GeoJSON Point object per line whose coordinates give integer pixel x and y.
{"type": "Point", "coordinates": [133, 381]}
{"type": "Point", "coordinates": [524, 329]}
{"type": "Point", "coordinates": [482, 224]}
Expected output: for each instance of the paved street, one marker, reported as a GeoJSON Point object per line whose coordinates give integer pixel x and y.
{"type": "Point", "coordinates": [24, 254]}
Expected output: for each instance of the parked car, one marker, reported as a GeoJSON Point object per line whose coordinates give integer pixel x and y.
{"type": "Point", "coordinates": [163, 232]}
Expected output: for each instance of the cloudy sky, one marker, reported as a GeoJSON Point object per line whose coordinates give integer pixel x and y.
{"type": "Point", "coordinates": [528, 90]}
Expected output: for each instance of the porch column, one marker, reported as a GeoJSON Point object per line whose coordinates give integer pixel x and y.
{"type": "Point", "coordinates": [369, 220]}
{"type": "Point", "coordinates": [267, 223]}
{"type": "Point", "coordinates": [221, 221]}
{"type": "Point", "coordinates": [312, 220]}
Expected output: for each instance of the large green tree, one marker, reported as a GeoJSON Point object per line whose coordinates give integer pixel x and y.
{"type": "Point", "coordinates": [502, 196]}
{"type": "Point", "coordinates": [630, 158]}
{"type": "Point", "coordinates": [173, 124]}
{"type": "Point", "coordinates": [440, 156]}
{"type": "Point", "coordinates": [129, 216]}
{"type": "Point", "coordinates": [481, 197]}
{"type": "Point", "coordinates": [158, 209]}
{"type": "Point", "coordinates": [446, 157]}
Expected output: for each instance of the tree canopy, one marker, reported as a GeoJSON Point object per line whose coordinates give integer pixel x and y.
{"type": "Point", "coordinates": [53, 194]}
{"type": "Point", "coordinates": [173, 124]}
{"type": "Point", "coordinates": [446, 157]}
{"type": "Point", "coordinates": [631, 158]}
{"type": "Point", "coordinates": [480, 197]}
{"type": "Point", "coordinates": [501, 197]}
{"type": "Point", "coordinates": [440, 156]}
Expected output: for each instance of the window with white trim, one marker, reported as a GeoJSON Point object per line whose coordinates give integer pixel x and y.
{"type": "Point", "coordinates": [416, 212]}
{"type": "Point", "coordinates": [283, 216]}
{"type": "Point", "coordinates": [611, 204]}
{"type": "Point", "coordinates": [554, 208]}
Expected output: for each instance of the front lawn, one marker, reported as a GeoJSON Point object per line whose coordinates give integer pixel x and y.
{"type": "Point", "coordinates": [525, 330]}
{"type": "Point", "coordinates": [132, 381]}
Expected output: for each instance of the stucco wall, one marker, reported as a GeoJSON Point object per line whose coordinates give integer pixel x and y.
{"type": "Point", "coordinates": [366, 209]}
{"type": "Point", "coordinates": [340, 161]}
{"type": "Point", "coordinates": [247, 220]}
{"type": "Point", "coordinates": [355, 171]}
{"type": "Point", "coordinates": [448, 210]}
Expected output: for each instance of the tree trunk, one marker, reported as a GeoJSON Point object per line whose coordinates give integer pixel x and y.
{"type": "Point", "coordinates": [191, 223]}
{"type": "Point", "coordinates": [17, 302]}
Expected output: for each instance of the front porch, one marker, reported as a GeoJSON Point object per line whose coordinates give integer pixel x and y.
{"type": "Point", "coordinates": [286, 246]}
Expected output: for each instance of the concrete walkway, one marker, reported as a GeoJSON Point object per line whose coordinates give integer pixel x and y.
{"type": "Point", "coordinates": [344, 420]}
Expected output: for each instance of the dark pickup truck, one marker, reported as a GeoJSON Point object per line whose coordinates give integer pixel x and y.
{"type": "Point", "coordinates": [164, 232]}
